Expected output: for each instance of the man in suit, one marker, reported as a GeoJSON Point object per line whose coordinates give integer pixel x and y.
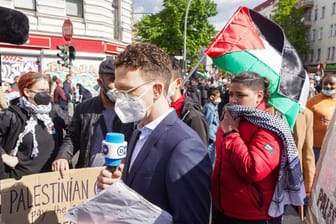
{"type": "Point", "coordinates": [167, 163]}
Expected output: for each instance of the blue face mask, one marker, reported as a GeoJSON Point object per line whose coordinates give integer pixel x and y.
{"type": "Point", "coordinates": [329, 92]}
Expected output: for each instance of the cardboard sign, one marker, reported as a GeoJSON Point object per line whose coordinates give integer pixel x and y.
{"type": "Point", "coordinates": [45, 197]}
{"type": "Point", "coordinates": [322, 204]}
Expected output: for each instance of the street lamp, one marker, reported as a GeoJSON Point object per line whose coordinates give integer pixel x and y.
{"type": "Point", "coordinates": [185, 38]}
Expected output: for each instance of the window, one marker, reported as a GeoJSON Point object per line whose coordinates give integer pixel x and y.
{"type": "Point", "coordinates": [318, 54]}
{"type": "Point", "coordinates": [315, 14]}
{"type": "Point", "coordinates": [116, 18]}
{"type": "Point", "coordinates": [320, 33]}
{"type": "Point", "coordinates": [308, 16]}
{"type": "Point", "coordinates": [333, 11]}
{"type": "Point", "coordinates": [334, 35]}
{"type": "Point", "coordinates": [322, 13]}
{"type": "Point", "coordinates": [311, 55]}
{"type": "Point", "coordinates": [25, 4]}
{"type": "Point", "coordinates": [331, 31]}
{"type": "Point", "coordinates": [331, 53]}
{"type": "Point", "coordinates": [74, 8]}
{"type": "Point", "coordinates": [313, 33]}
{"type": "Point", "coordinates": [307, 37]}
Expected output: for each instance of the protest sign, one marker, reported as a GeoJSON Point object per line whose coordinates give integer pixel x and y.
{"type": "Point", "coordinates": [322, 205]}
{"type": "Point", "coordinates": [45, 197]}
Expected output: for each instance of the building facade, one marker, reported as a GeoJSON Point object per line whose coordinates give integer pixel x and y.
{"type": "Point", "coordinates": [322, 35]}
{"type": "Point", "coordinates": [320, 20]}
{"type": "Point", "coordinates": [101, 28]}
{"type": "Point", "coordinates": [266, 8]}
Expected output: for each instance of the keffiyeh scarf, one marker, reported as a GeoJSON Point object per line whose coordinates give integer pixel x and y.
{"type": "Point", "coordinates": [289, 188]}
{"type": "Point", "coordinates": [37, 112]}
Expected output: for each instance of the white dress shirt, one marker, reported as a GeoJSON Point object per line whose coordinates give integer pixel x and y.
{"type": "Point", "coordinates": [145, 133]}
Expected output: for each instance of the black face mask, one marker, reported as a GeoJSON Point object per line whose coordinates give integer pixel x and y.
{"type": "Point", "coordinates": [42, 98]}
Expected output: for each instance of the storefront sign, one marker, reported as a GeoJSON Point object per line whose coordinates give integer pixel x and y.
{"type": "Point", "coordinates": [331, 67]}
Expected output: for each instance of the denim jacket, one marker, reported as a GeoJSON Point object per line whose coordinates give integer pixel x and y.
{"type": "Point", "coordinates": [212, 117]}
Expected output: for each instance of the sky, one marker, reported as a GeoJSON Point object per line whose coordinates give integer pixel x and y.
{"type": "Point", "coordinates": [225, 9]}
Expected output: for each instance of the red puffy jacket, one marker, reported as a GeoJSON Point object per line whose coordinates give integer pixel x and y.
{"type": "Point", "coordinates": [246, 171]}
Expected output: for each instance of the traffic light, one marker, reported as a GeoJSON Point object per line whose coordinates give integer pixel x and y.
{"type": "Point", "coordinates": [63, 55]}
{"type": "Point", "coordinates": [72, 53]}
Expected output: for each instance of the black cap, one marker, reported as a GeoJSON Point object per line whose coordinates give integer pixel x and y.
{"type": "Point", "coordinates": [107, 67]}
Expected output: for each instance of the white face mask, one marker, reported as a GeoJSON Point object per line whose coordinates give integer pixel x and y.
{"type": "Point", "coordinates": [218, 101]}
{"type": "Point", "coordinates": [130, 108]}
{"type": "Point", "coordinates": [329, 92]}
{"type": "Point", "coordinates": [110, 95]}
{"type": "Point", "coordinates": [108, 92]}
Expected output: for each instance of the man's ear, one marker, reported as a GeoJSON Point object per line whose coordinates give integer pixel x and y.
{"type": "Point", "coordinates": [157, 89]}
{"type": "Point", "coordinates": [99, 82]}
{"type": "Point", "coordinates": [179, 82]}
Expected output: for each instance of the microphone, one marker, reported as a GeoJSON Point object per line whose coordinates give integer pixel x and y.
{"type": "Point", "coordinates": [114, 148]}
{"type": "Point", "coordinates": [14, 26]}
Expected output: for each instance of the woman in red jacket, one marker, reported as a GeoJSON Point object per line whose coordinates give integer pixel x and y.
{"type": "Point", "coordinates": [248, 156]}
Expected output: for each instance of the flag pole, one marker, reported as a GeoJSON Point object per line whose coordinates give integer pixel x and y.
{"type": "Point", "coordinates": [192, 71]}
{"type": "Point", "coordinates": [185, 38]}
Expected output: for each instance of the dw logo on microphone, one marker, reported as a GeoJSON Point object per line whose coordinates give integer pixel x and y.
{"type": "Point", "coordinates": [121, 151]}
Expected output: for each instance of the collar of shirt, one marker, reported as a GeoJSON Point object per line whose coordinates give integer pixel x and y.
{"type": "Point", "coordinates": [153, 124]}
{"type": "Point", "coordinates": [145, 132]}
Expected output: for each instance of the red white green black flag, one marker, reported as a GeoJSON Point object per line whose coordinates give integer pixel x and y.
{"type": "Point", "coordinates": [251, 42]}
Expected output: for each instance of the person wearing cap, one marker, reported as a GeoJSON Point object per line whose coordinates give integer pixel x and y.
{"type": "Point", "coordinates": [91, 121]}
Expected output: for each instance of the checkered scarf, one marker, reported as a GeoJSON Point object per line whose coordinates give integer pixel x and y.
{"type": "Point", "coordinates": [37, 112]}
{"type": "Point", "coordinates": [289, 188]}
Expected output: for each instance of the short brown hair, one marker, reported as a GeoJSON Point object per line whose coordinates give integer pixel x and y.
{"type": "Point", "coordinates": [153, 62]}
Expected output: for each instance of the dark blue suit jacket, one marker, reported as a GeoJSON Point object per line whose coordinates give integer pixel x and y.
{"type": "Point", "coordinates": [173, 171]}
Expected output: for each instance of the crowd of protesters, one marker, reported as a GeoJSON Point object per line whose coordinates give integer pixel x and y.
{"type": "Point", "coordinates": [177, 134]}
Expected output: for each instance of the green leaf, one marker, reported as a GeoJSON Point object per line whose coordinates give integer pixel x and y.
{"type": "Point", "coordinates": [290, 17]}
{"type": "Point", "coordinates": [166, 28]}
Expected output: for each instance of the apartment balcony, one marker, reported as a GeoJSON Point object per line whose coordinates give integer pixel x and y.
{"type": "Point", "coordinates": [307, 23]}
{"type": "Point", "coordinates": [307, 4]}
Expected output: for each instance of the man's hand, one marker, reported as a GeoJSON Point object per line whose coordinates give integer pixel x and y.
{"type": "Point", "coordinates": [61, 165]}
{"type": "Point", "coordinates": [106, 178]}
{"type": "Point", "coordinates": [9, 160]}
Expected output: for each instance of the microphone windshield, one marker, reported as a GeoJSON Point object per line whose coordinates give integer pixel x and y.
{"type": "Point", "coordinates": [14, 26]}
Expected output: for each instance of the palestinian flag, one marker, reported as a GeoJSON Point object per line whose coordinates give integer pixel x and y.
{"type": "Point", "coordinates": [251, 42]}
